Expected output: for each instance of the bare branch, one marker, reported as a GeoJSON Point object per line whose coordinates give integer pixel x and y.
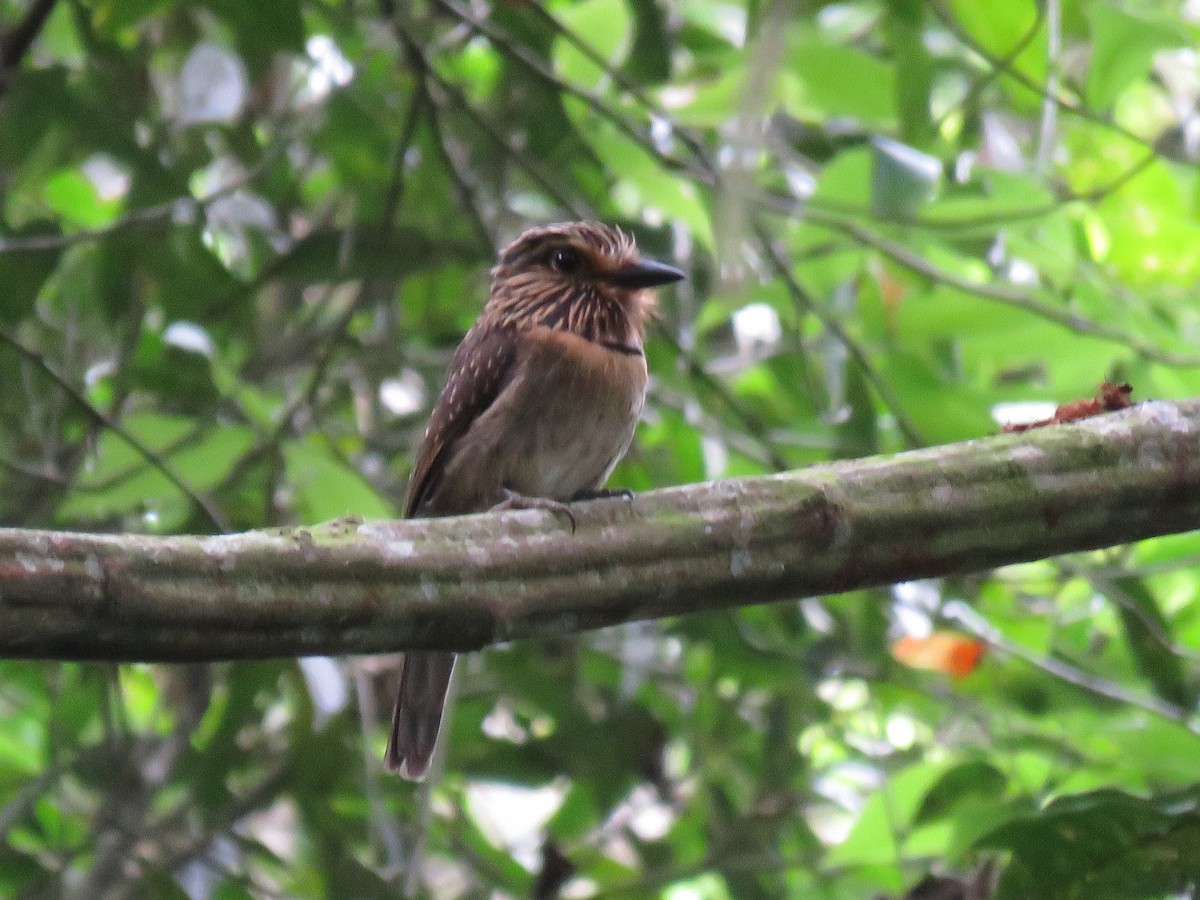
{"type": "Point", "coordinates": [462, 583]}
{"type": "Point", "coordinates": [16, 43]}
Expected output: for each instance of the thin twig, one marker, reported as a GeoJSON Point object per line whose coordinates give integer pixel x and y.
{"type": "Point", "coordinates": [467, 195]}
{"type": "Point", "coordinates": [154, 459]}
{"type": "Point", "coordinates": [995, 71]}
{"type": "Point", "coordinates": [417, 56]}
{"type": "Point", "coordinates": [1002, 293]}
{"type": "Point", "coordinates": [967, 618]}
{"type": "Point", "coordinates": [1048, 127]}
{"type": "Point", "coordinates": [1009, 68]}
{"type": "Point", "coordinates": [170, 210]}
{"type": "Point", "coordinates": [750, 422]}
{"type": "Point", "coordinates": [806, 303]}
{"type": "Point", "coordinates": [509, 46]}
{"type": "Point", "coordinates": [15, 44]}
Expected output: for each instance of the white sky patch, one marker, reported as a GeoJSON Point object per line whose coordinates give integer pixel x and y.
{"type": "Point", "coordinates": [513, 817]}
{"type": "Point", "coordinates": [98, 371]}
{"type": "Point", "coordinates": [708, 886]}
{"type": "Point", "coordinates": [828, 822]}
{"type": "Point", "coordinates": [922, 594]}
{"type": "Point", "coordinates": [404, 395]}
{"type": "Point", "coordinates": [326, 686]}
{"type": "Point", "coordinates": [650, 819]}
{"type": "Point", "coordinates": [844, 695]}
{"type": "Point", "coordinates": [232, 221]}
{"type": "Point", "coordinates": [1001, 149]}
{"type": "Point", "coordinates": [330, 68]}
{"type": "Point", "coordinates": [110, 179]}
{"type": "Point", "coordinates": [716, 456]}
{"type": "Point", "coordinates": [1021, 271]}
{"type": "Point", "coordinates": [213, 85]}
{"type": "Point", "coordinates": [501, 724]}
{"type": "Point", "coordinates": [661, 132]}
{"type": "Point", "coordinates": [201, 876]}
{"type": "Point", "coordinates": [1179, 70]}
{"type": "Point", "coordinates": [756, 327]}
{"type": "Point", "coordinates": [911, 622]}
{"type": "Point", "coordinates": [190, 336]}
{"type": "Point", "coordinates": [1022, 412]}
{"type": "Point", "coordinates": [817, 617]}
{"type": "Point", "coordinates": [801, 182]}
{"type": "Point", "coordinates": [901, 731]}
{"type": "Point", "coordinates": [730, 22]}
{"type": "Point", "coordinates": [243, 210]}
{"type": "Point", "coordinates": [677, 96]}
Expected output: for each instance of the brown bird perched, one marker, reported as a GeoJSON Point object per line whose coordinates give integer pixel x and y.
{"type": "Point", "coordinates": [540, 403]}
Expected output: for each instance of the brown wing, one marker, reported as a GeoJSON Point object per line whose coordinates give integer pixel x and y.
{"type": "Point", "coordinates": [481, 368]}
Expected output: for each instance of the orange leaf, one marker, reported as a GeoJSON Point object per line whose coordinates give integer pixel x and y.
{"type": "Point", "coordinates": [943, 651]}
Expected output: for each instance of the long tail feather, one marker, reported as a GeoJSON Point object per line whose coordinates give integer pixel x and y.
{"type": "Point", "coordinates": [424, 681]}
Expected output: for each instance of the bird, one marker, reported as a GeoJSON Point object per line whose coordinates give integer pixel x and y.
{"type": "Point", "coordinates": [539, 405]}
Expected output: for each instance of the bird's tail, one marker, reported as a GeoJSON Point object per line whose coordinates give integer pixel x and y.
{"type": "Point", "coordinates": [424, 681]}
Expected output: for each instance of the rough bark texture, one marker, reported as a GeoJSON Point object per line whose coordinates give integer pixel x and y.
{"type": "Point", "coordinates": [461, 583]}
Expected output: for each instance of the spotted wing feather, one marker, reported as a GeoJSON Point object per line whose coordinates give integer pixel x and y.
{"type": "Point", "coordinates": [481, 368]}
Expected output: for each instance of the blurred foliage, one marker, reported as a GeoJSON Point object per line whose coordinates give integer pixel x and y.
{"type": "Point", "coordinates": [238, 243]}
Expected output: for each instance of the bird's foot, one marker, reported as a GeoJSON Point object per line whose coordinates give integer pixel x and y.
{"type": "Point", "coordinates": [604, 494]}
{"type": "Point", "coordinates": [513, 500]}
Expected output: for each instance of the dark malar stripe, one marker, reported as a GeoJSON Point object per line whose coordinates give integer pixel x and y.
{"type": "Point", "coordinates": [618, 347]}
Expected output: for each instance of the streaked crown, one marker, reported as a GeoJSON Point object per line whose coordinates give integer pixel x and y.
{"type": "Point", "coordinates": [583, 277]}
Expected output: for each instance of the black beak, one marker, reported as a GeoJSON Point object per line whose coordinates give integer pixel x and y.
{"type": "Point", "coordinates": [644, 273]}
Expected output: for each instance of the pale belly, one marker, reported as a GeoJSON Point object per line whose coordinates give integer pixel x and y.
{"type": "Point", "coordinates": [558, 429]}
{"type": "Point", "coordinates": [581, 419]}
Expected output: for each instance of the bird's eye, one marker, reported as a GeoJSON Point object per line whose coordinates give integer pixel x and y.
{"type": "Point", "coordinates": [565, 260]}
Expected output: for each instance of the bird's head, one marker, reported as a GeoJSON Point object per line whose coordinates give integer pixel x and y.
{"type": "Point", "coordinates": [583, 277]}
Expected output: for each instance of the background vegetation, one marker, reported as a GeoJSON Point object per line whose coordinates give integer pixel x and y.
{"type": "Point", "coordinates": [238, 242]}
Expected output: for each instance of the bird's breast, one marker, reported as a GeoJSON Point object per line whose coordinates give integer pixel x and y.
{"type": "Point", "coordinates": [580, 402]}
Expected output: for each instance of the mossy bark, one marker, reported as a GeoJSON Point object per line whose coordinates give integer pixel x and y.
{"type": "Point", "coordinates": [461, 583]}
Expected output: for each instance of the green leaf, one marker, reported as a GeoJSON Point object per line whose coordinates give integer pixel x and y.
{"type": "Point", "coordinates": [326, 488]}
{"type": "Point", "coordinates": [970, 779]}
{"type": "Point", "coordinates": [22, 273]}
{"type": "Point", "coordinates": [121, 481]}
{"type": "Point", "coordinates": [1123, 49]}
{"type": "Point", "coordinates": [1105, 844]}
{"type": "Point", "coordinates": [262, 30]}
{"type": "Point", "coordinates": [821, 68]}
{"type": "Point", "coordinates": [180, 375]}
{"type": "Point", "coordinates": [873, 840]}
{"type": "Point", "coordinates": [1151, 642]}
{"type": "Point", "coordinates": [605, 27]}
{"type": "Point", "coordinates": [1002, 28]}
{"type": "Point", "coordinates": [74, 197]}
{"type": "Point", "coordinates": [642, 183]}
{"type": "Point", "coordinates": [112, 17]}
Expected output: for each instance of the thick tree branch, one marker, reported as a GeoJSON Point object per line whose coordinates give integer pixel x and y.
{"type": "Point", "coordinates": [461, 583]}
{"type": "Point", "coordinates": [16, 43]}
